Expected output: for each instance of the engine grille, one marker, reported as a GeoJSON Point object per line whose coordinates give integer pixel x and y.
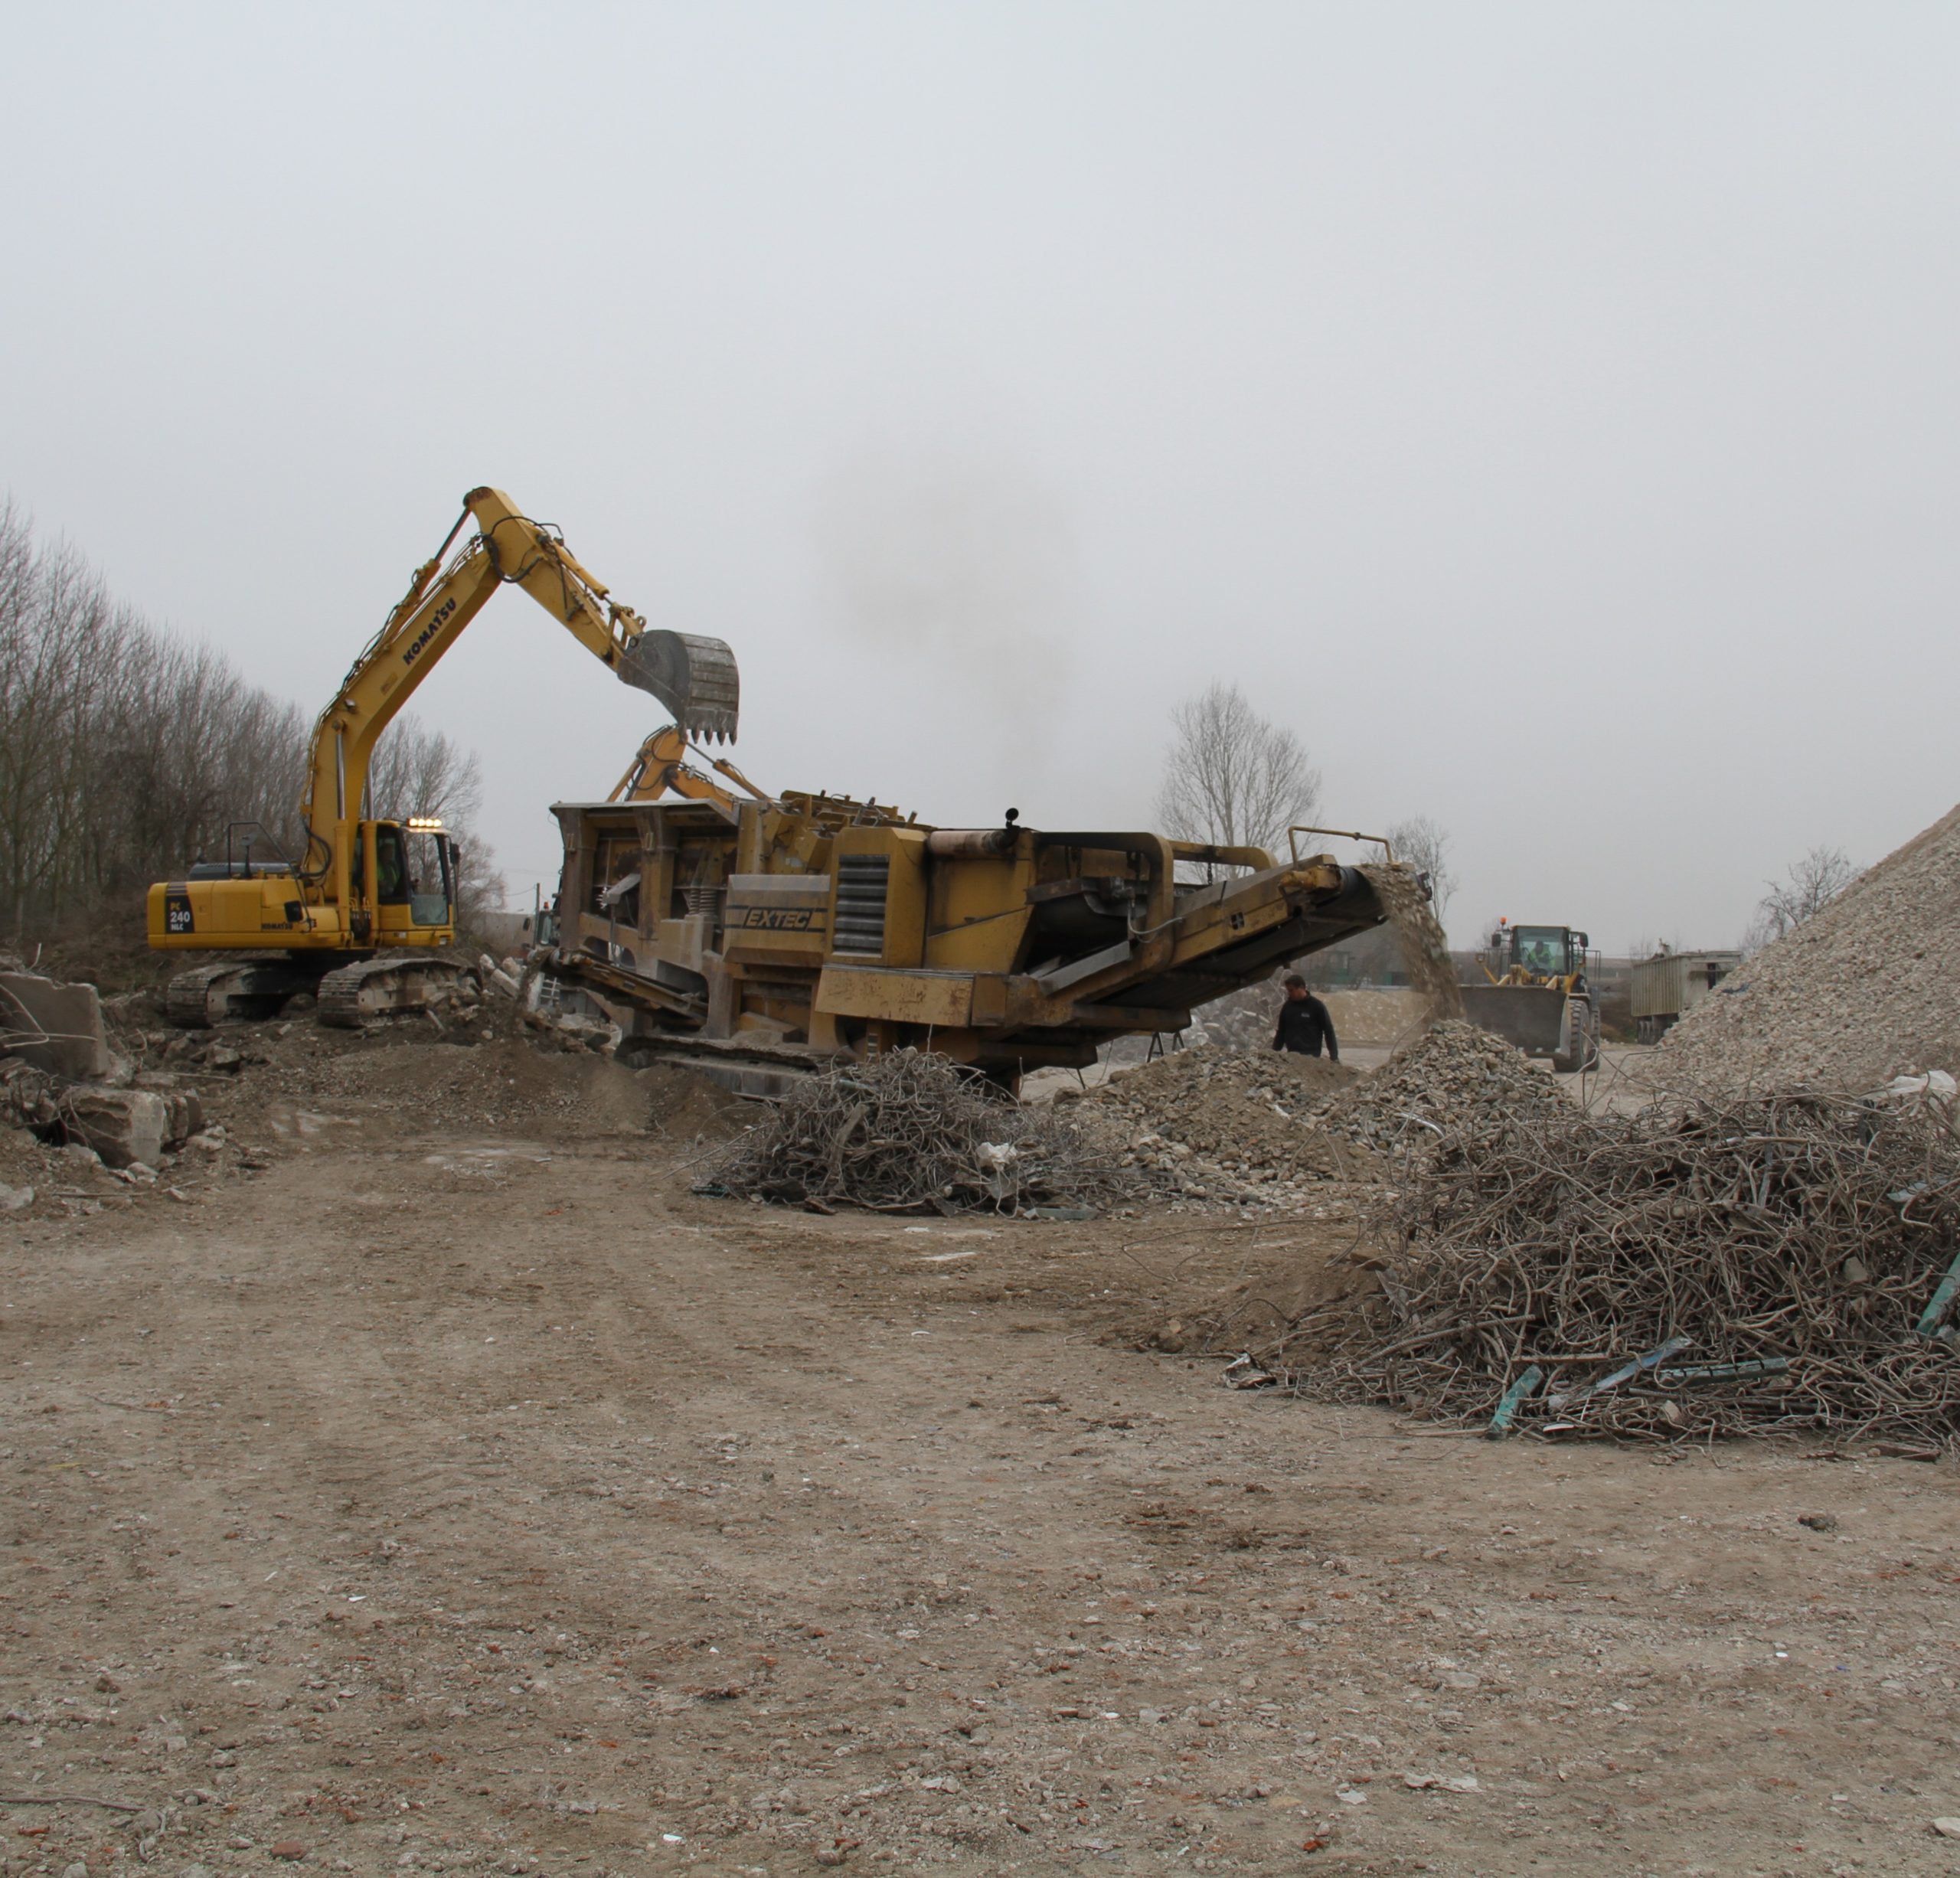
{"type": "Point", "coordinates": [862, 882]}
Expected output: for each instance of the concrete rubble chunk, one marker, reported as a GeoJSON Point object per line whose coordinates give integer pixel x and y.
{"type": "Point", "coordinates": [130, 1128]}
{"type": "Point", "coordinates": [187, 1114]}
{"type": "Point", "coordinates": [56, 1027]}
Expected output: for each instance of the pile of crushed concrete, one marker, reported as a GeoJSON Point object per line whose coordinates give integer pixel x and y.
{"type": "Point", "coordinates": [1455, 1079]}
{"type": "Point", "coordinates": [64, 1084]}
{"type": "Point", "coordinates": [1273, 1130]}
{"type": "Point", "coordinates": [1227, 1126]}
{"type": "Point", "coordinates": [1865, 990]}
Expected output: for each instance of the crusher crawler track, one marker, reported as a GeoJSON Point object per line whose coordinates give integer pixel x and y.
{"type": "Point", "coordinates": [380, 988]}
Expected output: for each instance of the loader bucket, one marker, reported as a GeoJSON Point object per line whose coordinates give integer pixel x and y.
{"type": "Point", "coordinates": [1529, 1016]}
{"type": "Point", "coordinates": [693, 676]}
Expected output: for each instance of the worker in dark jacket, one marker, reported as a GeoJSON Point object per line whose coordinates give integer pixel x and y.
{"type": "Point", "coordinates": [1304, 1023]}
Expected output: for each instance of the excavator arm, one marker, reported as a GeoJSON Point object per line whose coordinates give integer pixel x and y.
{"type": "Point", "coordinates": [694, 677]}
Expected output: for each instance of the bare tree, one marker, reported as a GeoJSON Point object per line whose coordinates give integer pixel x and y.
{"type": "Point", "coordinates": [1423, 843]}
{"type": "Point", "coordinates": [1809, 886]}
{"type": "Point", "coordinates": [416, 771]}
{"type": "Point", "coordinates": [126, 752]}
{"type": "Point", "coordinates": [1232, 777]}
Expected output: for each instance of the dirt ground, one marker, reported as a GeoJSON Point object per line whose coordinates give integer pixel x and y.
{"type": "Point", "coordinates": [438, 1485]}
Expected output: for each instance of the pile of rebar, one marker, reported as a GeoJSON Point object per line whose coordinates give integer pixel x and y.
{"type": "Point", "coordinates": [1724, 1266]}
{"type": "Point", "coordinates": [909, 1131]}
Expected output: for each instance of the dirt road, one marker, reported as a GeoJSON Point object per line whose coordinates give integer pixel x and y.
{"type": "Point", "coordinates": [451, 1495]}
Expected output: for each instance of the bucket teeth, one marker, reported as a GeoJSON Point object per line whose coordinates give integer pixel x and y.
{"type": "Point", "coordinates": [694, 677]}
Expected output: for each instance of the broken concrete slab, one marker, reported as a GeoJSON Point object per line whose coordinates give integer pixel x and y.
{"type": "Point", "coordinates": [122, 1126]}
{"type": "Point", "coordinates": [130, 1128]}
{"type": "Point", "coordinates": [27, 1095]}
{"type": "Point", "coordinates": [57, 1027]}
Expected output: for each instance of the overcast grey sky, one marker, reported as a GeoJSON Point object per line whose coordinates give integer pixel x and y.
{"type": "Point", "coordinates": [1549, 412]}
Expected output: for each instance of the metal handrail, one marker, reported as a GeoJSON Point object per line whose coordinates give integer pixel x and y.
{"type": "Point", "coordinates": [1345, 834]}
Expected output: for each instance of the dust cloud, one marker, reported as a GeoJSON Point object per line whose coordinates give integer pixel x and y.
{"type": "Point", "coordinates": [962, 567]}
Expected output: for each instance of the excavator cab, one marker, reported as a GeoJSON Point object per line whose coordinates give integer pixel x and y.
{"type": "Point", "coordinates": [415, 879]}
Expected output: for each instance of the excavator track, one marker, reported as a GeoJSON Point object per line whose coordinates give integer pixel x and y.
{"type": "Point", "coordinates": [238, 988]}
{"type": "Point", "coordinates": [382, 988]}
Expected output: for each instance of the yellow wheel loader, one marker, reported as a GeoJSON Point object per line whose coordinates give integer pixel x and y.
{"type": "Point", "coordinates": [1535, 993]}
{"type": "Point", "coordinates": [361, 915]}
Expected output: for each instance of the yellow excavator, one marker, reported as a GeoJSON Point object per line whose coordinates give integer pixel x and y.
{"type": "Point", "coordinates": [361, 916]}
{"type": "Point", "coordinates": [760, 936]}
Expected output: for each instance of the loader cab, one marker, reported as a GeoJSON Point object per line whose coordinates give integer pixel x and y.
{"type": "Point", "coordinates": [1536, 953]}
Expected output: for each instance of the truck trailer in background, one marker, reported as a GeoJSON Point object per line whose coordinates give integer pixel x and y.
{"type": "Point", "coordinates": [1670, 985]}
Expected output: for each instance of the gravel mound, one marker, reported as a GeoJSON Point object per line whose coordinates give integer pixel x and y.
{"type": "Point", "coordinates": [1273, 1129]}
{"type": "Point", "coordinates": [1242, 1021]}
{"type": "Point", "coordinates": [1865, 990]}
{"type": "Point", "coordinates": [1229, 1126]}
{"type": "Point", "coordinates": [1454, 1077]}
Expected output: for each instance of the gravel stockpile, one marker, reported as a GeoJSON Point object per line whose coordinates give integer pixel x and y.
{"type": "Point", "coordinates": [1454, 1078]}
{"type": "Point", "coordinates": [1273, 1129]}
{"type": "Point", "coordinates": [1865, 990]}
{"type": "Point", "coordinates": [1231, 1127]}
{"type": "Point", "coordinates": [1243, 1021]}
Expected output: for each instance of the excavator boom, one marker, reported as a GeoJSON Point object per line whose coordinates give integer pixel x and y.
{"type": "Point", "coordinates": [361, 885]}
{"type": "Point", "coordinates": [695, 677]}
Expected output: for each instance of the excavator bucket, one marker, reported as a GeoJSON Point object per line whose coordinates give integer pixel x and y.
{"type": "Point", "coordinates": [693, 677]}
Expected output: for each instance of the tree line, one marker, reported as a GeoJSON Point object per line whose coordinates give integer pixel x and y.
{"type": "Point", "coordinates": [126, 750]}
